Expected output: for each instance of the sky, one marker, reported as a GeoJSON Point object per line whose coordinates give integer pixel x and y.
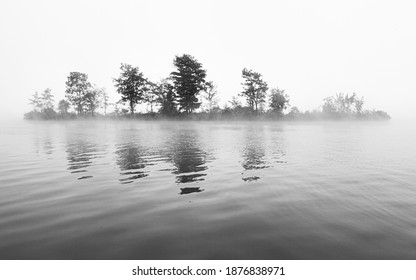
{"type": "Point", "coordinates": [311, 49]}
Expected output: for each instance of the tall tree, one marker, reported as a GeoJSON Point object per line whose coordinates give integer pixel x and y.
{"type": "Point", "coordinates": [131, 85]}
{"type": "Point", "coordinates": [278, 100]}
{"type": "Point", "coordinates": [77, 87]}
{"type": "Point", "coordinates": [254, 89]}
{"type": "Point", "coordinates": [188, 80]}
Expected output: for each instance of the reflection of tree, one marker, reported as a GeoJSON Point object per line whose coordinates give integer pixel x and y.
{"type": "Point", "coordinates": [254, 157]}
{"type": "Point", "coordinates": [259, 154]}
{"type": "Point", "coordinates": [131, 162]}
{"type": "Point", "coordinates": [80, 155]}
{"type": "Point", "coordinates": [189, 160]}
{"type": "Point", "coordinates": [254, 153]}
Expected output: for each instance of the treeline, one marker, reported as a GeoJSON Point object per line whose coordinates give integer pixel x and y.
{"type": "Point", "coordinates": [186, 93]}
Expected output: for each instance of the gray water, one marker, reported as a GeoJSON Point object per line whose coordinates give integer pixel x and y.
{"type": "Point", "coordinates": [198, 190]}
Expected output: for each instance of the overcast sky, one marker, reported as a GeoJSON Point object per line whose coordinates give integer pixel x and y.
{"type": "Point", "coordinates": [312, 49]}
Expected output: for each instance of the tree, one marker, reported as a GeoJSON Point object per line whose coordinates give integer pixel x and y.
{"type": "Point", "coordinates": [188, 80]}
{"type": "Point", "coordinates": [278, 100]}
{"type": "Point", "coordinates": [359, 102]}
{"type": "Point", "coordinates": [131, 85]}
{"type": "Point", "coordinates": [254, 89]}
{"type": "Point", "coordinates": [165, 92]}
{"type": "Point", "coordinates": [93, 99]}
{"type": "Point", "coordinates": [42, 102]}
{"type": "Point", "coordinates": [47, 99]}
{"type": "Point", "coordinates": [63, 107]}
{"type": "Point", "coordinates": [210, 94]}
{"type": "Point", "coordinates": [77, 87]}
{"type": "Point", "coordinates": [342, 104]}
{"type": "Point", "coordinates": [104, 100]}
{"type": "Point", "coordinates": [36, 102]}
{"type": "Point", "coordinates": [151, 96]}
{"type": "Point", "coordinates": [235, 102]}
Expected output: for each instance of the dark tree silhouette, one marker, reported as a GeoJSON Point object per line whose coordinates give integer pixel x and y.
{"type": "Point", "coordinates": [189, 80]}
{"type": "Point", "coordinates": [254, 89]}
{"type": "Point", "coordinates": [77, 87]}
{"type": "Point", "coordinates": [131, 85]}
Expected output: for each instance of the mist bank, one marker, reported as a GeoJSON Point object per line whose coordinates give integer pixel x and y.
{"type": "Point", "coordinates": [241, 113]}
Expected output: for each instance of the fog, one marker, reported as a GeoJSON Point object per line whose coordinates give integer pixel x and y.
{"type": "Point", "coordinates": [310, 49]}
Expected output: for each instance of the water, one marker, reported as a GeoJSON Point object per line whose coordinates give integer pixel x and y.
{"type": "Point", "coordinates": [197, 190]}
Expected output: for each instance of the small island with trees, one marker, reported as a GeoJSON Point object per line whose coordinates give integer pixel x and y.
{"type": "Point", "coordinates": [187, 95]}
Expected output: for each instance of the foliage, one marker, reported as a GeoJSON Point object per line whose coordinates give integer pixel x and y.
{"type": "Point", "coordinates": [42, 102]}
{"type": "Point", "coordinates": [63, 107]}
{"type": "Point", "coordinates": [210, 94]}
{"type": "Point", "coordinates": [152, 95]}
{"type": "Point", "coordinates": [131, 85]}
{"type": "Point", "coordinates": [254, 89]}
{"type": "Point", "coordinates": [36, 102]}
{"type": "Point", "coordinates": [165, 92]}
{"type": "Point", "coordinates": [235, 102]}
{"type": "Point", "coordinates": [188, 80]}
{"type": "Point", "coordinates": [47, 114]}
{"type": "Point", "coordinates": [77, 88]}
{"type": "Point", "coordinates": [93, 99]}
{"type": "Point", "coordinates": [342, 104]}
{"type": "Point", "coordinates": [47, 99]}
{"type": "Point", "coordinates": [278, 101]}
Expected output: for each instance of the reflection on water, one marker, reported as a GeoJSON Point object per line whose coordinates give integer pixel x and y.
{"type": "Point", "coordinates": [256, 156]}
{"type": "Point", "coordinates": [259, 191]}
{"type": "Point", "coordinates": [131, 162]}
{"type": "Point", "coordinates": [80, 154]}
{"type": "Point", "coordinates": [253, 155]}
{"type": "Point", "coordinates": [189, 160]}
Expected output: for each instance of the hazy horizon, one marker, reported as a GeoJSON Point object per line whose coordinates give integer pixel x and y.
{"type": "Point", "coordinates": [311, 50]}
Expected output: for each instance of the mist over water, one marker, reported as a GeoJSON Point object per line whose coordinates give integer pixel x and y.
{"type": "Point", "coordinates": [207, 190]}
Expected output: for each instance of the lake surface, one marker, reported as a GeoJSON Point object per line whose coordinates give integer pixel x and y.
{"type": "Point", "coordinates": [207, 190]}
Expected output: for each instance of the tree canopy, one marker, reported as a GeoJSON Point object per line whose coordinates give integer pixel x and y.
{"type": "Point", "coordinates": [254, 89]}
{"type": "Point", "coordinates": [188, 80]}
{"type": "Point", "coordinates": [278, 100]}
{"type": "Point", "coordinates": [131, 85]}
{"type": "Point", "coordinates": [77, 88]}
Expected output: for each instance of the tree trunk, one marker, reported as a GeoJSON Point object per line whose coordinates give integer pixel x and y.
{"type": "Point", "coordinates": [131, 108]}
